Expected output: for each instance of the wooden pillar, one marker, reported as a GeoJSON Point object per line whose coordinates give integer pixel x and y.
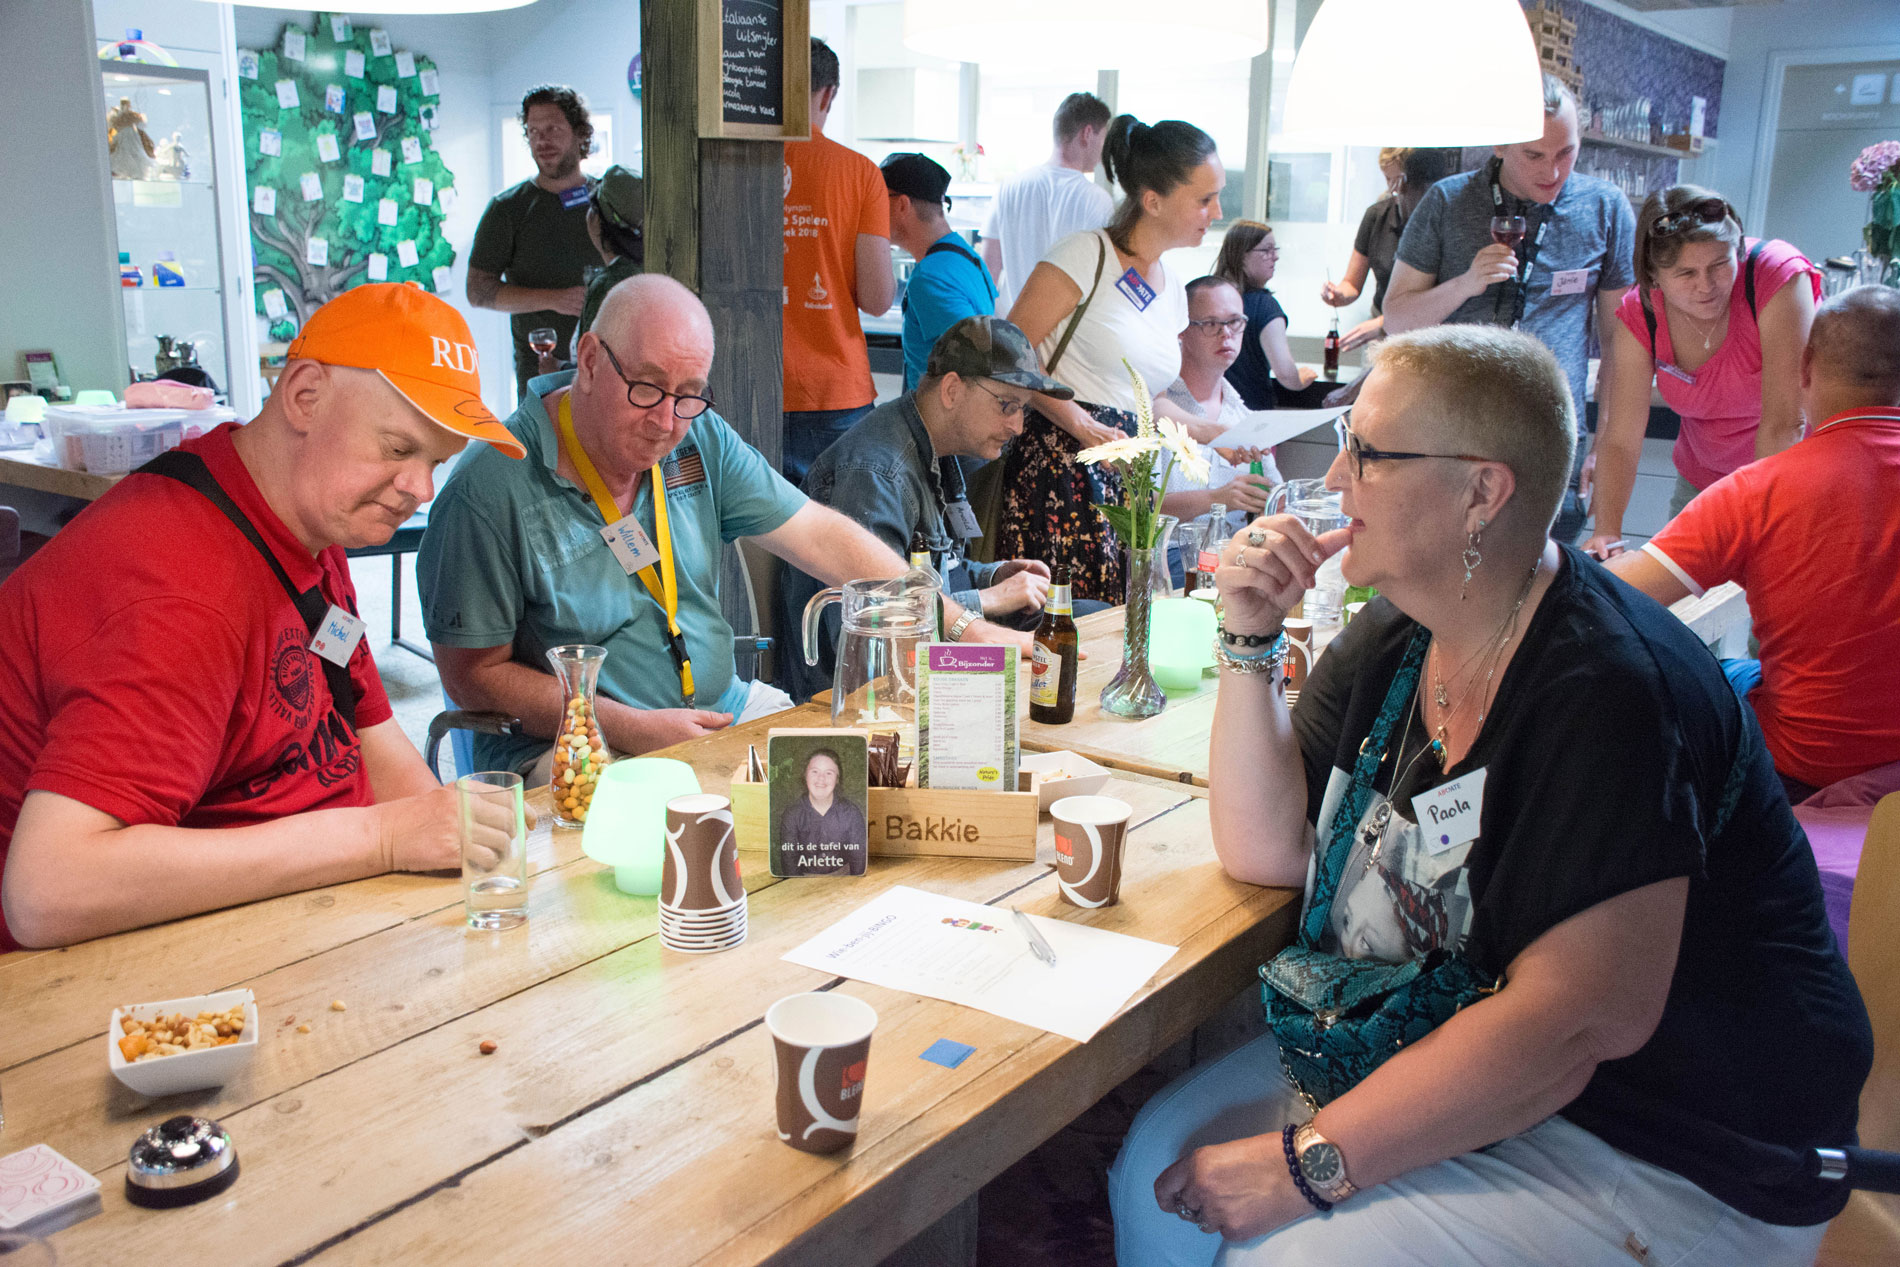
{"type": "Point", "coordinates": [716, 221]}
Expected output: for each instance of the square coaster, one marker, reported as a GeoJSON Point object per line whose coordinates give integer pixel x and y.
{"type": "Point", "coordinates": [947, 1053]}
{"type": "Point", "coordinates": [37, 1181]}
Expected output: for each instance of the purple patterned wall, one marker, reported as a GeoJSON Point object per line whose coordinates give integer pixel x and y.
{"type": "Point", "coordinates": [1622, 61]}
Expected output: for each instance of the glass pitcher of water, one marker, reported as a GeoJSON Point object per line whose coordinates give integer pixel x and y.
{"type": "Point", "coordinates": [885, 626]}
{"type": "Point", "coordinates": [1318, 508]}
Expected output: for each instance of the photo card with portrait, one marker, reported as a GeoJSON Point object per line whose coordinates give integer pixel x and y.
{"type": "Point", "coordinates": [817, 797]}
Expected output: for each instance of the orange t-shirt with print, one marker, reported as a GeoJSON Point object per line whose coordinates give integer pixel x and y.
{"type": "Point", "coordinates": [832, 194]}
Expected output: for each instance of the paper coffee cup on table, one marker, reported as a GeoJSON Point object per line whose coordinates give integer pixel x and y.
{"type": "Point", "coordinates": [701, 871]}
{"type": "Point", "coordinates": [1090, 832]}
{"type": "Point", "coordinates": [821, 1043]}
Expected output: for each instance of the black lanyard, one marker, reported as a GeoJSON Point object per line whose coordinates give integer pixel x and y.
{"type": "Point", "coordinates": [1519, 286]}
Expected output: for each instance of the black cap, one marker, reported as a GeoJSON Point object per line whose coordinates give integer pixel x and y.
{"type": "Point", "coordinates": [915, 176]}
{"type": "Point", "coordinates": [990, 347]}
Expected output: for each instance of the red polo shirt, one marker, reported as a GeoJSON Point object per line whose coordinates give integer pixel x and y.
{"type": "Point", "coordinates": [1813, 535]}
{"type": "Point", "coordinates": [156, 670]}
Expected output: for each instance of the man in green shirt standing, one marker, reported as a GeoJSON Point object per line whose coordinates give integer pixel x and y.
{"type": "Point", "coordinates": [531, 246]}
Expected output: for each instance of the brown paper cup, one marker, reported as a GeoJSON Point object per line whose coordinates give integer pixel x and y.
{"type": "Point", "coordinates": [821, 1042]}
{"type": "Point", "coordinates": [1299, 652]}
{"type": "Point", "coordinates": [701, 872]}
{"type": "Point", "coordinates": [1089, 835]}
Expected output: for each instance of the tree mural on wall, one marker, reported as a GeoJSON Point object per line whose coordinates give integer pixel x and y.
{"type": "Point", "coordinates": [345, 184]}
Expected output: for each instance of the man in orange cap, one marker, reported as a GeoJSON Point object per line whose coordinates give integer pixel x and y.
{"type": "Point", "coordinates": [189, 717]}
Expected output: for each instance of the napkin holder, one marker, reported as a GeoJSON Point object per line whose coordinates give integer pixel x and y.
{"type": "Point", "coordinates": [920, 822]}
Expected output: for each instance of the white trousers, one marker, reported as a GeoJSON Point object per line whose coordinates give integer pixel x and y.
{"type": "Point", "coordinates": [1555, 1194]}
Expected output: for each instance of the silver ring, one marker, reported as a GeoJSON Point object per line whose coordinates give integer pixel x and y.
{"type": "Point", "coordinates": [1257, 538]}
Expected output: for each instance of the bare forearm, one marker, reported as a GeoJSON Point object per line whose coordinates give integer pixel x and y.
{"type": "Point", "coordinates": [1414, 310]}
{"type": "Point", "coordinates": [507, 297]}
{"type": "Point", "coordinates": [1617, 461]}
{"type": "Point", "coordinates": [515, 689]}
{"type": "Point", "coordinates": [1188, 503]}
{"type": "Point", "coordinates": [135, 876]}
{"type": "Point", "coordinates": [1256, 798]}
{"type": "Point", "coordinates": [1780, 427]}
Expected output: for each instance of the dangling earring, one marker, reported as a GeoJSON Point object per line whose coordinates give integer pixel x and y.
{"type": "Point", "coordinates": [1471, 559]}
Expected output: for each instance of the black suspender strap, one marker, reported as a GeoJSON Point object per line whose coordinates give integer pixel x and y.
{"type": "Point", "coordinates": [957, 248]}
{"type": "Point", "coordinates": [189, 469]}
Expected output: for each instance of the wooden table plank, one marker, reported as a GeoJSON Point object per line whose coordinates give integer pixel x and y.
{"type": "Point", "coordinates": [20, 470]}
{"type": "Point", "coordinates": [375, 1129]}
{"type": "Point", "coordinates": [680, 1157]}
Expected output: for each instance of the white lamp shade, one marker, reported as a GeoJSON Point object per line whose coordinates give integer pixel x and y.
{"type": "Point", "coordinates": [368, 8]}
{"type": "Point", "coordinates": [1105, 34]}
{"type": "Point", "coordinates": [1406, 73]}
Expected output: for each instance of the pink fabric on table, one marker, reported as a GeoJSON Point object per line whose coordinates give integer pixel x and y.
{"type": "Point", "coordinates": [164, 394]}
{"type": "Point", "coordinates": [1721, 409]}
{"type": "Point", "coordinates": [1835, 819]}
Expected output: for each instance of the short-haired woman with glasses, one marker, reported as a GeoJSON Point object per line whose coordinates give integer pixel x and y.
{"type": "Point", "coordinates": [1714, 323]}
{"type": "Point", "coordinates": [1562, 987]}
{"type": "Point", "coordinates": [1266, 373]}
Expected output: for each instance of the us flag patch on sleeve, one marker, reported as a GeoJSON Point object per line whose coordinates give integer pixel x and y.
{"type": "Point", "coordinates": [684, 468]}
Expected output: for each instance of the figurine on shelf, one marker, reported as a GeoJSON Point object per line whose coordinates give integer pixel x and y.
{"type": "Point", "coordinates": [132, 150]}
{"type": "Point", "coordinates": [174, 160]}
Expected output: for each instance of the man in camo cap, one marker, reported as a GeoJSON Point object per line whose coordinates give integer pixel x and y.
{"type": "Point", "coordinates": [896, 473]}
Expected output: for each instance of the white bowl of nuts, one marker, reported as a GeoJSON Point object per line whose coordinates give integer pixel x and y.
{"type": "Point", "coordinates": [183, 1044]}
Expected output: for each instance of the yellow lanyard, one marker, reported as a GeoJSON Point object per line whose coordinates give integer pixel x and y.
{"type": "Point", "coordinates": [665, 589]}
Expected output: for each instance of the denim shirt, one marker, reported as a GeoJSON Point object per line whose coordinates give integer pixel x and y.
{"type": "Point", "coordinates": [885, 474]}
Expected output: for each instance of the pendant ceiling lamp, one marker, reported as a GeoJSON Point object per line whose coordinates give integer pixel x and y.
{"type": "Point", "coordinates": [375, 8]}
{"type": "Point", "coordinates": [1105, 34]}
{"type": "Point", "coordinates": [1408, 73]}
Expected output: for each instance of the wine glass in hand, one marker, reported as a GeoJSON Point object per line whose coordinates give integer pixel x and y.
{"type": "Point", "coordinates": [1507, 230]}
{"type": "Point", "coordinates": [542, 341]}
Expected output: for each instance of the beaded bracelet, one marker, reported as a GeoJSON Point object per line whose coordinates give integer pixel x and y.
{"type": "Point", "coordinates": [1249, 640]}
{"type": "Point", "coordinates": [1269, 661]}
{"type": "Point", "coordinates": [1299, 1180]}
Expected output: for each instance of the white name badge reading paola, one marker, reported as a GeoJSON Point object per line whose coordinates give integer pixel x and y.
{"type": "Point", "coordinates": [337, 636]}
{"type": "Point", "coordinates": [632, 548]}
{"type": "Point", "coordinates": [1448, 814]}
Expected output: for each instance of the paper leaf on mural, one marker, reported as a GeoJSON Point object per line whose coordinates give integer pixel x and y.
{"type": "Point", "coordinates": [368, 216]}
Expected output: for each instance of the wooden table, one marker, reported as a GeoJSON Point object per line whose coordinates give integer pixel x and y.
{"type": "Point", "coordinates": [19, 468]}
{"type": "Point", "coordinates": [627, 1115]}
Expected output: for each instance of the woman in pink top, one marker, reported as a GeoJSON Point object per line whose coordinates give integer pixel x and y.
{"type": "Point", "coordinates": [1713, 322]}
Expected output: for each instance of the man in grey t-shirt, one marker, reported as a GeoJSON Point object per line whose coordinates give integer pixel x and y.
{"type": "Point", "coordinates": [1449, 269]}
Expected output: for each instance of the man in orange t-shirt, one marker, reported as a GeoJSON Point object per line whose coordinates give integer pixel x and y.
{"type": "Point", "coordinates": [837, 261]}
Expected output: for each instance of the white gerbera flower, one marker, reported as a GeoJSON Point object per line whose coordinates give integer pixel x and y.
{"type": "Point", "coordinates": [1187, 454]}
{"type": "Point", "coordinates": [1127, 449]}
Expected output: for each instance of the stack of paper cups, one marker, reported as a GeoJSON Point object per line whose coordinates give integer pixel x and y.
{"type": "Point", "coordinates": [702, 901]}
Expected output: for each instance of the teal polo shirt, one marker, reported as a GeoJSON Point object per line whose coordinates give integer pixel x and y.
{"type": "Point", "coordinates": [514, 555]}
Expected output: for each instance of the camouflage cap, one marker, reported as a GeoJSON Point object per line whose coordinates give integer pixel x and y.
{"type": "Point", "coordinates": [990, 347]}
{"type": "Point", "coordinates": [621, 198]}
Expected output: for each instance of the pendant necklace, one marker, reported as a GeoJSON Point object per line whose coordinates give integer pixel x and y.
{"type": "Point", "coordinates": [1493, 648]}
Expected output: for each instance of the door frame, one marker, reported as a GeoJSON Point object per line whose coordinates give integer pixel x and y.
{"type": "Point", "coordinates": [1770, 127]}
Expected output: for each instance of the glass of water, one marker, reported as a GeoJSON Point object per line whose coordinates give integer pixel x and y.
{"type": "Point", "coordinates": [1319, 510]}
{"type": "Point", "coordinates": [494, 849]}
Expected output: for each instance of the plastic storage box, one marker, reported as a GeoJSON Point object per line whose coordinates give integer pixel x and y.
{"type": "Point", "coordinates": [110, 440]}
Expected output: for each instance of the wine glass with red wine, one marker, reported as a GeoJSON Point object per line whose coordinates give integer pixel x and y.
{"type": "Point", "coordinates": [542, 340]}
{"type": "Point", "coordinates": [1507, 230]}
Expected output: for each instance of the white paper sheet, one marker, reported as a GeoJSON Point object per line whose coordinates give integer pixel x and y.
{"type": "Point", "coordinates": [962, 952]}
{"type": "Point", "coordinates": [1265, 428]}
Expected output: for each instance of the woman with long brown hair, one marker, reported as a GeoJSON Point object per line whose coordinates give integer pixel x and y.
{"type": "Point", "coordinates": [1715, 324]}
{"type": "Point", "coordinates": [1266, 374]}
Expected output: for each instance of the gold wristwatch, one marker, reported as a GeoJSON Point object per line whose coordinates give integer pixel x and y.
{"type": "Point", "coordinates": [1322, 1164]}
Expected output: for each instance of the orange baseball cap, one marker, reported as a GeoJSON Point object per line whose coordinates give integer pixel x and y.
{"type": "Point", "coordinates": [421, 347]}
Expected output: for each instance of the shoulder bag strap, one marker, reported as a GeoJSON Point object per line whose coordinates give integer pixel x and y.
{"type": "Point", "coordinates": [1352, 806]}
{"type": "Point", "coordinates": [1101, 259]}
{"type": "Point", "coordinates": [1748, 278]}
{"type": "Point", "coordinates": [957, 248]}
{"type": "Point", "coordinates": [189, 469]}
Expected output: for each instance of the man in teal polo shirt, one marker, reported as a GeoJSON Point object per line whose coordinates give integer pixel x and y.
{"type": "Point", "coordinates": [515, 561]}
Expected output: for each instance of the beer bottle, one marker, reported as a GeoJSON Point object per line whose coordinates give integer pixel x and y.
{"type": "Point", "coordinates": [1058, 650]}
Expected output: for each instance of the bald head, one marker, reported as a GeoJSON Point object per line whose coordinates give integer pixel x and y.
{"type": "Point", "coordinates": [647, 300]}
{"type": "Point", "coordinates": [1854, 349]}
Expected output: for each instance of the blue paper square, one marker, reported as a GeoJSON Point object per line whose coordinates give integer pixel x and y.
{"type": "Point", "coordinates": [946, 1053]}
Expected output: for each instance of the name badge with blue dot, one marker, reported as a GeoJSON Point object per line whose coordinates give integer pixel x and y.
{"type": "Point", "coordinates": [1139, 292]}
{"type": "Point", "coordinates": [337, 636]}
{"type": "Point", "coordinates": [1448, 814]}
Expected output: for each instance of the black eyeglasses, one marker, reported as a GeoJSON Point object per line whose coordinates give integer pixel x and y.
{"type": "Point", "coordinates": [1217, 325]}
{"type": "Point", "coordinates": [1358, 453]}
{"type": "Point", "coordinates": [1706, 211]}
{"type": "Point", "coordinates": [644, 395]}
{"type": "Point", "coordinates": [1010, 408]}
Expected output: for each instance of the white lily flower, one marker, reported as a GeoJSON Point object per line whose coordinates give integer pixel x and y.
{"type": "Point", "coordinates": [1144, 403]}
{"type": "Point", "coordinates": [1125, 450]}
{"type": "Point", "coordinates": [1187, 454]}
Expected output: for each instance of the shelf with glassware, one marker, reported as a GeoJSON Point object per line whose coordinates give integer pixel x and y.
{"type": "Point", "coordinates": [165, 202]}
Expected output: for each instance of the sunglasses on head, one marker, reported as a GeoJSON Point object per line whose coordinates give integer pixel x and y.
{"type": "Point", "coordinates": [1706, 211]}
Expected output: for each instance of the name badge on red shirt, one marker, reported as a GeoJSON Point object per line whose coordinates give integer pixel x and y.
{"type": "Point", "coordinates": [337, 636]}
{"type": "Point", "coordinates": [1677, 372]}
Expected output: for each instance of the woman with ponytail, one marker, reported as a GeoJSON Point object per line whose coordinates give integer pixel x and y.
{"type": "Point", "coordinates": [1096, 298]}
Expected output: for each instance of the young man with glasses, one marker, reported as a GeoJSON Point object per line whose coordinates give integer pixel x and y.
{"type": "Point", "coordinates": [896, 473]}
{"type": "Point", "coordinates": [1570, 264]}
{"type": "Point", "coordinates": [611, 532]}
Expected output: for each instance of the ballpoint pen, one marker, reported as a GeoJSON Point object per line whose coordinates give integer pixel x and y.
{"type": "Point", "coordinates": [1042, 949]}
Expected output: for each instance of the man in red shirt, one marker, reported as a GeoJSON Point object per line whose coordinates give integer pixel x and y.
{"type": "Point", "coordinates": [169, 741]}
{"type": "Point", "coordinates": [837, 261]}
{"type": "Point", "coordinates": [1813, 535]}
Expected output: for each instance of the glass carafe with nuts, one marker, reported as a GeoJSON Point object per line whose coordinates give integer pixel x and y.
{"type": "Point", "coordinates": [580, 753]}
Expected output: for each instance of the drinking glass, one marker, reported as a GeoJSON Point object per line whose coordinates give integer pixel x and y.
{"type": "Point", "coordinates": [1507, 230]}
{"type": "Point", "coordinates": [494, 849]}
{"type": "Point", "coordinates": [542, 340]}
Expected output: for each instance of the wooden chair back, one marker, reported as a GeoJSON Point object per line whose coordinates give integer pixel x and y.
{"type": "Point", "coordinates": [1867, 1232]}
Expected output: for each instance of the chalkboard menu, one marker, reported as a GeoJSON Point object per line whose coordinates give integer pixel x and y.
{"type": "Point", "coordinates": [755, 69]}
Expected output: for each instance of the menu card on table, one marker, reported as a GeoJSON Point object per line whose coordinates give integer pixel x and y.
{"type": "Point", "coordinates": [979, 956]}
{"type": "Point", "coordinates": [966, 717]}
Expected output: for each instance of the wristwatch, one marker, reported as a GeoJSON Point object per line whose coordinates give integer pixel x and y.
{"type": "Point", "coordinates": [961, 623]}
{"type": "Point", "coordinates": [1322, 1164]}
